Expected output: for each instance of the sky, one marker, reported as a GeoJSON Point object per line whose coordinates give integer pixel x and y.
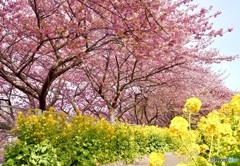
{"type": "Point", "coordinates": [229, 44]}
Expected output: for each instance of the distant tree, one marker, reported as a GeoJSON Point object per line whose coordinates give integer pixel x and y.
{"type": "Point", "coordinates": [162, 103]}
{"type": "Point", "coordinates": [151, 93]}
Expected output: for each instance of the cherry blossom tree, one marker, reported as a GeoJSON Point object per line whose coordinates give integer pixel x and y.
{"type": "Point", "coordinates": [41, 40]}
{"type": "Point", "coordinates": [165, 102]}
{"type": "Point", "coordinates": [140, 94]}
{"type": "Point", "coordinates": [135, 60]}
{"type": "Point", "coordinates": [44, 46]}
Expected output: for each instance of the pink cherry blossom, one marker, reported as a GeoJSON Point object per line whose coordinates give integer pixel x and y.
{"type": "Point", "coordinates": [133, 59]}
{"type": "Point", "coordinates": [230, 29]}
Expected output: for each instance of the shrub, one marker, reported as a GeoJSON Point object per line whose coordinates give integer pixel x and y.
{"type": "Point", "coordinates": [83, 140]}
{"type": "Point", "coordinates": [21, 153]}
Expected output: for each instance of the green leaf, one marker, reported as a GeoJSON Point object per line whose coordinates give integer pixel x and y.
{"type": "Point", "coordinates": [43, 149]}
{"type": "Point", "coordinates": [85, 152]}
{"type": "Point", "coordinates": [33, 162]}
{"type": "Point", "coordinates": [19, 157]}
{"type": "Point", "coordinates": [33, 155]}
{"type": "Point", "coordinates": [44, 162]}
{"type": "Point", "coordinates": [59, 163]}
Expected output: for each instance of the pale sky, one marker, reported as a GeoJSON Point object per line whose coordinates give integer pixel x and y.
{"type": "Point", "coordinates": [229, 44]}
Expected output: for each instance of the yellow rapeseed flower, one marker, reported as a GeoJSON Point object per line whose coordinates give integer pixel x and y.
{"type": "Point", "coordinates": [156, 159]}
{"type": "Point", "coordinates": [236, 98]}
{"type": "Point", "coordinates": [204, 148]}
{"type": "Point", "coordinates": [193, 105]}
{"type": "Point", "coordinates": [225, 108]}
{"type": "Point", "coordinates": [20, 114]}
{"type": "Point", "coordinates": [51, 109]}
{"type": "Point", "coordinates": [210, 124]}
{"type": "Point", "coordinates": [69, 125]}
{"type": "Point", "coordinates": [232, 106]}
{"type": "Point", "coordinates": [179, 125]}
{"type": "Point", "coordinates": [29, 112]}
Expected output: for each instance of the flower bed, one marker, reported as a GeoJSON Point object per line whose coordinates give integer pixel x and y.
{"type": "Point", "coordinates": [216, 140]}
{"type": "Point", "coordinates": [54, 139]}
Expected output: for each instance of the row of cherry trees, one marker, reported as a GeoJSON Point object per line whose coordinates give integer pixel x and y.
{"type": "Point", "coordinates": [134, 60]}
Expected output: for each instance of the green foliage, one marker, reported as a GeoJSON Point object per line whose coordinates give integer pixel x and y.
{"type": "Point", "coordinates": [55, 139]}
{"type": "Point", "coordinates": [81, 140]}
{"type": "Point", "coordinates": [21, 153]}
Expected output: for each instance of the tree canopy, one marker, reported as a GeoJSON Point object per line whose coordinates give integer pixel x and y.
{"type": "Point", "coordinates": [137, 60]}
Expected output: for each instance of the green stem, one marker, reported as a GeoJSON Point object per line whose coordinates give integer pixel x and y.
{"type": "Point", "coordinates": [210, 147]}
{"type": "Point", "coordinates": [218, 145]}
{"type": "Point", "coordinates": [190, 154]}
{"type": "Point", "coordinates": [189, 120]}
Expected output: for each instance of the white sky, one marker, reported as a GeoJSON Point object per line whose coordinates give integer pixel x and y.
{"type": "Point", "coordinates": [229, 44]}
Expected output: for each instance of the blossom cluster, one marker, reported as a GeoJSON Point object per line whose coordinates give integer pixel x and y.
{"type": "Point", "coordinates": [193, 105]}
{"type": "Point", "coordinates": [217, 135]}
{"type": "Point", "coordinates": [156, 159]}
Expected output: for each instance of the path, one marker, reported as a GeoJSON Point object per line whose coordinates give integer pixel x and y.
{"type": "Point", "coordinates": [170, 158]}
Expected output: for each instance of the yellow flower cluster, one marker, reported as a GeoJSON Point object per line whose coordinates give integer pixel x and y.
{"type": "Point", "coordinates": [156, 159]}
{"type": "Point", "coordinates": [179, 126]}
{"type": "Point", "coordinates": [41, 127]}
{"type": "Point", "coordinates": [188, 138]}
{"type": "Point", "coordinates": [217, 134]}
{"type": "Point", "coordinates": [220, 130]}
{"type": "Point", "coordinates": [108, 142]}
{"type": "Point", "coordinates": [232, 107]}
{"type": "Point", "coordinates": [192, 105]}
{"type": "Point", "coordinates": [211, 123]}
